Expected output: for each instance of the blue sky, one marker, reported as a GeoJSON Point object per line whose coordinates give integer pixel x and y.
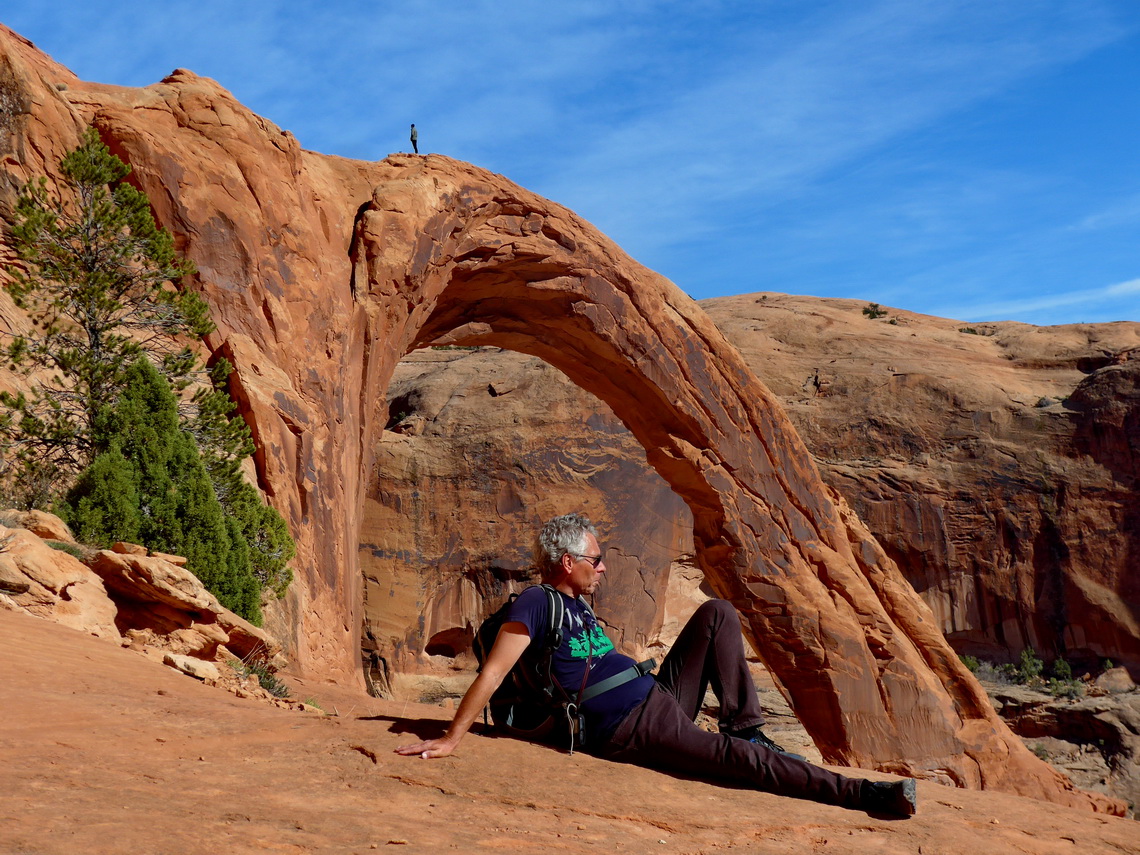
{"type": "Point", "coordinates": [975, 159]}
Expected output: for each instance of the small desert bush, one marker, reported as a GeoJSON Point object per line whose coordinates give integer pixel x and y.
{"type": "Point", "coordinates": [72, 549]}
{"type": "Point", "coordinates": [257, 665]}
{"type": "Point", "coordinates": [873, 311]}
{"type": "Point", "coordinates": [1030, 671]}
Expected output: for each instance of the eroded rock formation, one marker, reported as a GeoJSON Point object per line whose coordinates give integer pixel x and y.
{"type": "Point", "coordinates": [996, 463]}
{"type": "Point", "coordinates": [323, 273]}
{"type": "Point", "coordinates": [150, 602]}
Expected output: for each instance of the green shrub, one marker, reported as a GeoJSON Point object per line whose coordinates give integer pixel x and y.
{"type": "Point", "coordinates": [257, 666]}
{"type": "Point", "coordinates": [270, 545]}
{"type": "Point", "coordinates": [150, 486]}
{"type": "Point", "coordinates": [1061, 669]}
{"type": "Point", "coordinates": [1071, 689]}
{"type": "Point", "coordinates": [970, 662]}
{"type": "Point", "coordinates": [1010, 673]}
{"type": "Point", "coordinates": [103, 507]}
{"type": "Point", "coordinates": [873, 311]}
{"type": "Point", "coordinates": [1030, 667]}
{"type": "Point", "coordinates": [72, 549]}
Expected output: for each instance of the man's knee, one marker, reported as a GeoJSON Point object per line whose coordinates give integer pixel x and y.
{"type": "Point", "coordinates": [717, 610]}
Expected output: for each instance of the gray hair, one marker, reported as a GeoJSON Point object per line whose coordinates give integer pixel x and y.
{"type": "Point", "coordinates": [561, 535]}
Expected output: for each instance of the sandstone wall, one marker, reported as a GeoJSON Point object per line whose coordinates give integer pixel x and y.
{"type": "Point", "coordinates": [995, 462]}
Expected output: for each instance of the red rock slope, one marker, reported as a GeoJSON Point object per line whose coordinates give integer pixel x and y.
{"type": "Point", "coordinates": [107, 753]}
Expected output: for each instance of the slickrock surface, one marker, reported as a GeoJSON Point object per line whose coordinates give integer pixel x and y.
{"type": "Point", "coordinates": [323, 273]}
{"type": "Point", "coordinates": [107, 753]}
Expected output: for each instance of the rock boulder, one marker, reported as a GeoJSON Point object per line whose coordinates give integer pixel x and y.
{"type": "Point", "coordinates": [53, 584]}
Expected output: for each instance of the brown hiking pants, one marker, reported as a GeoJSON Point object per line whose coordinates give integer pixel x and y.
{"type": "Point", "coordinates": [661, 733]}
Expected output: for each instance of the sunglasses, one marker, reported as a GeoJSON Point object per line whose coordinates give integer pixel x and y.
{"type": "Point", "coordinates": [594, 560]}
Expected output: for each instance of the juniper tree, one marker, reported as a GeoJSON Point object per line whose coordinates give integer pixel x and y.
{"type": "Point", "coordinates": [148, 484]}
{"type": "Point", "coordinates": [97, 282]}
{"type": "Point", "coordinates": [224, 443]}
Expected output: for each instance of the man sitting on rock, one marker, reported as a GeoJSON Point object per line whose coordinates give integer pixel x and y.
{"type": "Point", "coordinates": [649, 720]}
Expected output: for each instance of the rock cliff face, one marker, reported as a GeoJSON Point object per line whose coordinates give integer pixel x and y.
{"type": "Point", "coordinates": [323, 273]}
{"type": "Point", "coordinates": [996, 464]}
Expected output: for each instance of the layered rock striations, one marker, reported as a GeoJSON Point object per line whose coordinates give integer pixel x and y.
{"type": "Point", "coordinates": [322, 273]}
{"type": "Point", "coordinates": [995, 463]}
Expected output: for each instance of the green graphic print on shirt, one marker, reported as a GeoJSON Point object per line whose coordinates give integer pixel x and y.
{"type": "Point", "coordinates": [581, 645]}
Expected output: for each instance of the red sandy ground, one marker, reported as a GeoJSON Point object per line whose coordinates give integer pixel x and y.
{"type": "Point", "coordinates": [105, 751]}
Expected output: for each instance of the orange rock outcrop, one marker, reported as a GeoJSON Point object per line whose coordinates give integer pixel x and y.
{"type": "Point", "coordinates": [995, 463]}
{"type": "Point", "coordinates": [322, 273]}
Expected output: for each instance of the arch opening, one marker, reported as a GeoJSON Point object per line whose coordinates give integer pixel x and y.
{"type": "Point", "coordinates": [483, 445]}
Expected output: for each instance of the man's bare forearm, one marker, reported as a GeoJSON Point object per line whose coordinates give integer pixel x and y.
{"type": "Point", "coordinates": [474, 700]}
{"type": "Point", "coordinates": [509, 646]}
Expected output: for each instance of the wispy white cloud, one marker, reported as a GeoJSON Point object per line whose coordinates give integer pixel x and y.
{"type": "Point", "coordinates": [1132, 286]}
{"type": "Point", "coordinates": [760, 126]}
{"type": "Point", "coordinates": [1122, 213]}
{"type": "Point", "coordinates": [1106, 296]}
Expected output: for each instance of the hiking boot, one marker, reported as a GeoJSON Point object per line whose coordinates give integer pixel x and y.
{"type": "Point", "coordinates": [757, 737]}
{"type": "Point", "coordinates": [897, 798]}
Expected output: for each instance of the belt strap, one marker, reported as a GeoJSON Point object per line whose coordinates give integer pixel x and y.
{"type": "Point", "coordinates": [618, 679]}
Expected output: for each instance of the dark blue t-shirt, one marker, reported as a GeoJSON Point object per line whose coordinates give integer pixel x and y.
{"type": "Point", "coordinates": [583, 639]}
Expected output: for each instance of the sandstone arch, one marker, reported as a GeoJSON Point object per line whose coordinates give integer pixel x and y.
{"type": "Point", "coordinates": [871, 677]}
{"type": "Point", "coordinates": [446, 250]}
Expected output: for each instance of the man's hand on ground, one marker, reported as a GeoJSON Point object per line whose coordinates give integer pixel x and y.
{"type": "Point", "coordinates": [428, 749]}
{"type": "Point", "coordinates": [509, 646]}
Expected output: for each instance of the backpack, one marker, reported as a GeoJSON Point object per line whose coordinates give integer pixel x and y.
{"type": "Point", "coordinates": [529, 704]}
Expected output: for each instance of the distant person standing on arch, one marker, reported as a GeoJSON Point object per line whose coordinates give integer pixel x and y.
{"type": "Point", "coordinates": [415, 139]}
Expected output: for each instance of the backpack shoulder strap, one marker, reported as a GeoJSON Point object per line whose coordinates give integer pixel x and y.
{"type": "Point", "coordinates": [588, 609]}
{"type": "Point", "coordinates": [555, 610]}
